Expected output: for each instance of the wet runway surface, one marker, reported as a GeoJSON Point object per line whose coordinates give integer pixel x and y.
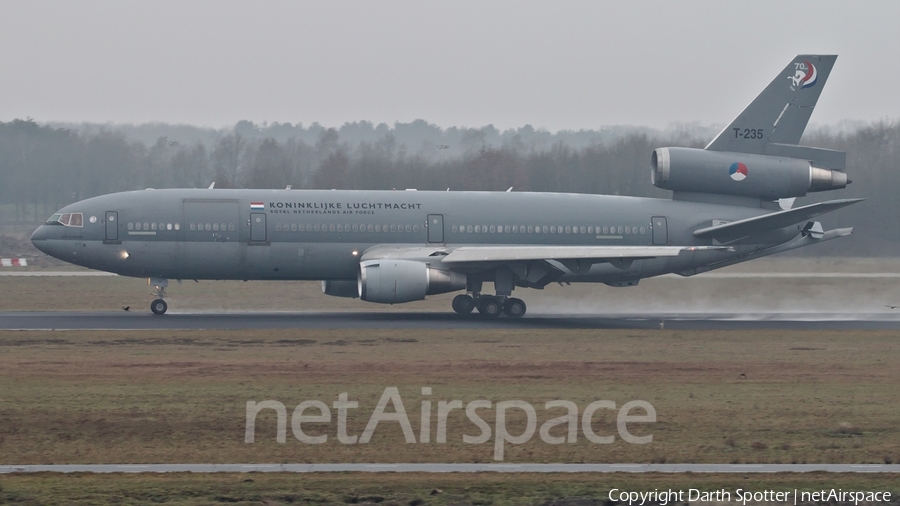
{"type": "Point", "coordinates": [365, 320]}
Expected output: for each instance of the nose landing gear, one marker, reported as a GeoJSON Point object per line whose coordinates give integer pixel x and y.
{"type": "Point", "coordinates": [159, 306]}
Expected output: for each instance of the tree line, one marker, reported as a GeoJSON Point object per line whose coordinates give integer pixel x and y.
{"type": "Point", "coordinates": [44, 167]}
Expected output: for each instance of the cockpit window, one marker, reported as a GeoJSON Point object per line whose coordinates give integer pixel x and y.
{"type": "Point", "coordinates": [67, 219]}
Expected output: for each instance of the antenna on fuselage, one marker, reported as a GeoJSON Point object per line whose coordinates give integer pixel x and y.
{"type": "Point", "coordinates": [212, 186]}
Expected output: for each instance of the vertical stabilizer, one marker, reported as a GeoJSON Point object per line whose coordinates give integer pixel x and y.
{"type": "Point", "coordinates": [780, 113]}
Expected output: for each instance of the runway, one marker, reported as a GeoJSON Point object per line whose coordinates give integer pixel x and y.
{"type": "Point", "coordinates": [141, 320]}
{"type": "Point", "coordinates": [456, 468]}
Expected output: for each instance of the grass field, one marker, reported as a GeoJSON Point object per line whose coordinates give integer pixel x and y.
{"type": "Point", "coordinates": [157, 397]}
{"type": "Point", "coordinates": [180, 396]}
{"type": "Point", "coordinates": [397, 489]}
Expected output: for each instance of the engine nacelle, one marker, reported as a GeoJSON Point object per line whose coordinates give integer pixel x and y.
{"type": "Point", "coordinates": [391, 281]}
{"type": "Point", "coordinates": [726, 173]}
{"type": "Point", "coordinates": [340, 288]}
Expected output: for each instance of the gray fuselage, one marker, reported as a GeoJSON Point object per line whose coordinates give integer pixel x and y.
{"type": "Point", "coordinates": [321, 234]}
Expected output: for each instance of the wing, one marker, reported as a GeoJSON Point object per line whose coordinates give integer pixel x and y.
{"type": "Point", "coordinates": [536, 266]}
{"type": "Point", "coordinates": [598, 254]}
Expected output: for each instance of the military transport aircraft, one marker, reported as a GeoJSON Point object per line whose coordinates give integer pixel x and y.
{"type": "Point", "coordinates": [731, 203]}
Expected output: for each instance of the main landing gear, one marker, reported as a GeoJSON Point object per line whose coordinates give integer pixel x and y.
{"type": "Point", "coordinates": [159, 306]}
{"type": "Point", "coordinates": [489, 305]}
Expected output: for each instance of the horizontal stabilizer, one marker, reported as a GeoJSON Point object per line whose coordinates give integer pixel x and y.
{"type": "Point", "coordinates": [769, 222]}
{"type": "Point", "coordinates": [818, 157]}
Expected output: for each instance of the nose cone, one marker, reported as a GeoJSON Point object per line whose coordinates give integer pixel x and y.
{"type": "Point", "coordinates": [39, 238]}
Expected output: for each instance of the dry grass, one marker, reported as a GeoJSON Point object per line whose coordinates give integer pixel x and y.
{"type": "Point", "coordinates": [179, 396]}
{"type": "Point", "coordinates": [395, 489]}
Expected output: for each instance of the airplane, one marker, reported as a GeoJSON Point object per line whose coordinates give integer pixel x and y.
{"type": "Point", "coordinates": [731, 202]}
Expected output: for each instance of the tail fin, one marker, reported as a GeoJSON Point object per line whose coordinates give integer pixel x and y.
{"type": "Point", "coordinates": [778, 115]}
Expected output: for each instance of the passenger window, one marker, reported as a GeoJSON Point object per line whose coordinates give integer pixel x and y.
{"type": "Point", "coordinates": [568, 230]}
{"type": "Point", "coordinates": [215, 226]}
{"type": "Point", "coordinates": [469, 228]}
{"type": "Point", "coordinates": [177, 226]}
{"type": "Point", "coordinates": [168, 226]}
{"type": "Point", "coordinates": [294, 227]}
{"type": "Point", "coordinates": [643, 230]}
{"type": "Point", "coordinates": [278, 227]}
{"type": "Point", "coordinates": [130, 226]}
{"type": "Point", "coordinates": [208, 226]}
{"type": "Point", "coordinates": [370, 228]}
{"type": "Point", "coordinates": [153, 226]}
{"type": "Point", "coordinates": [378, 228]}
{"type": "Point", "coordinates": [192, 227]}
{"type": "Point", "coordinates": [415, 228]}
{"type": "Point", "coordinates": [454, 228]}
{"type": "Point", "coordinates": [605, 230]}
{"type": "Point", "coordinates": [621, 231]}
{"type": "Point", "coordinates": [590, 230]}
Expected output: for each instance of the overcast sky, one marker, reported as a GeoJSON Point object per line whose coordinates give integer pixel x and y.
{"type": "Point", "coordinates": [556, 65]}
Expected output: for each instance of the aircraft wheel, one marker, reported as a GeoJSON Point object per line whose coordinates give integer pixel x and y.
{"type": "Point", "coordinates": [159, 306]}
{"type": "Point", "coordinates": [514, 308]}
{"type": "Point", "coordinates": [463, 304]}
{"type": "Point", "coordinates": [490, 307]}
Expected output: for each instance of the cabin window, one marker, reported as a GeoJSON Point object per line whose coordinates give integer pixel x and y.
{"type": "Point", "coordinates": [130, 226]}
{"type": "Point", "coordinates": [415, 228]}
{"type": "Point", "coordinates": [454, 228]}
{"type": "Point", "coordinates": [469, 228]}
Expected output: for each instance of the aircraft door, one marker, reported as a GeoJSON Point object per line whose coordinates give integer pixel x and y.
{"type": "Point", "coordinates": [112, 226]}
{"type": "Point", "coordinates": [660, 230]}
{"type": "Point", "coordinates": [435, 228]}
{"type": "Point", "coordinates": [258, 227]}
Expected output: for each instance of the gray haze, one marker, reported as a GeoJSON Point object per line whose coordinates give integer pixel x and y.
{"type": "Point", "coordinates": [553, 65]}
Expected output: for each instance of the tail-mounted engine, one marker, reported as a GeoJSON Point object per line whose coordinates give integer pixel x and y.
{"type": "Point", "coordinates": [749, 175]}
{"type": "Point", "coordinates": [391, 281]}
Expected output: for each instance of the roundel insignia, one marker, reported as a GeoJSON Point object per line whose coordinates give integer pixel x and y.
{"type": "Point", "coordinates": [738, 171]}
{"type": "Point", "coordinates": [812, 75]}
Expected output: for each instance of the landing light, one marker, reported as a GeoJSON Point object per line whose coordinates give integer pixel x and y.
{"type": "Point", "coordinates": [123, 255]}
{"type": "Point", "coordinates": [355, 252]}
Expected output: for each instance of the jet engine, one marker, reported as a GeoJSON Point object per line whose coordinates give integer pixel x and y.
{"type": "Point", "coordinates": [761, 176]}
{"type": "Point", "coordinates": [390, 281]}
